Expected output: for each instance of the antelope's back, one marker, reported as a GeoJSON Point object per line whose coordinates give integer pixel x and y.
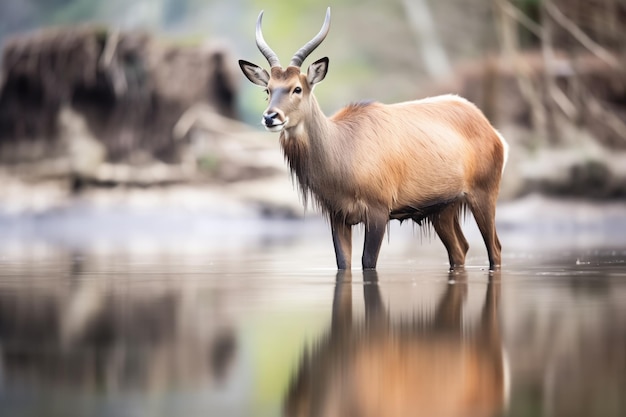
{"type": "Point", "coordinates": [431, 149]}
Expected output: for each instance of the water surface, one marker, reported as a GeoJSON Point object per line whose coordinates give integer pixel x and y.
{"type": "Point", "coordinates": [125, 315]}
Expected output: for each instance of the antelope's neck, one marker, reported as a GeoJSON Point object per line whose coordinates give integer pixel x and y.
{"type": "Point", "coordinates": [313, 153]}
{"type": "Point", "coordinates": [311, 144]}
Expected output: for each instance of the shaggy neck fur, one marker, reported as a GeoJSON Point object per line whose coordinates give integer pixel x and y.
{"type": "Point", "coordinates": [312, 151]}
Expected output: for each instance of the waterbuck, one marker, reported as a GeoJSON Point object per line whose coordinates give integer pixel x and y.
{"type": "Point", "coordinates": [423, 160]}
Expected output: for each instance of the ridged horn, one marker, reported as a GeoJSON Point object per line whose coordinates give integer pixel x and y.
{"type": "Point", "coordinates": [267, 52]}
{"type": "Point", "coordinates": [306, 50]}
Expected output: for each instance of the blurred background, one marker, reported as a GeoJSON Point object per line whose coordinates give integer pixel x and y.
{"type": "Point", "coordinates": [115, 96]}
{"type": "Point", "coordinates": [155, 257]}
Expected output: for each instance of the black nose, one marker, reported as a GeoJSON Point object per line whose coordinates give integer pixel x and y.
{"type": "Point", "coordinates": [268, 118]}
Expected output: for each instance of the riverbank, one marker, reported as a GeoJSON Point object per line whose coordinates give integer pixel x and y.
{"type": "Point", "coordinates": [205, 219]}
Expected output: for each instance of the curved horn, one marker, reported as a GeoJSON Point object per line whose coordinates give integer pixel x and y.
{"type": "Point", "coordinates": [267, 52]}
{"type": "Point", "coordinates": [303, 52]}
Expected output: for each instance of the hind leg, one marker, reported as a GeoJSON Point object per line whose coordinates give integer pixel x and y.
{"type": "Point", "coordinates": [483, 208]}
{"type": "Point", "coordinates": [446, 224]}
{"type": "Point", "coordinates": [459, 234]}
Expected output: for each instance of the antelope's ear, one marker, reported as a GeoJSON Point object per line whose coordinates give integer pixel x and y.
{"type": "Point", "coordinates": [317, 71]}
{"type": "Point", "coordinates": [254, 73]}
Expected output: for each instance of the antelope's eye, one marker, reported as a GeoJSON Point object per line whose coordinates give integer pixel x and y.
{"type": "Point", "coordinates": [297, 90]}
{"type": "Point", "coordinates": [267, 91]}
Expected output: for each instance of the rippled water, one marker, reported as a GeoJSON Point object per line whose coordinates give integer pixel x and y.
{"type": "Point", "coordinates": [188, 316]}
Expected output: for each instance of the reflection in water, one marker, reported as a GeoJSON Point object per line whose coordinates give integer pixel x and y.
{"type": "Point", "coordinates": [428, 364]}
{"type": "Point", "coordinates": [174, 334]}
{"type": "Point", "coordinates": [93, 339]}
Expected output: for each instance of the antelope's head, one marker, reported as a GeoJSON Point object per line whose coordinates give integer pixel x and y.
{"type": "Point", "coordinates": [289, 91]}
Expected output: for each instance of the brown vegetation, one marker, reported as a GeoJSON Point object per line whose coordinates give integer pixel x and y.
{"type": "Point", "coordinates": [130, 88]}
{"type": "Point", "coordinates": [549, 74]}
{"type": "Point", "coordinates": [595, 92]}
{"type": "Point", "coordinates": [557, 91]}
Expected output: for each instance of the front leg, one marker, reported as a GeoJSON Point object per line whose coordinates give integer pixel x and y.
{"type": "Point", "coordinates": [374, 234]}
{"type": "Point", "coordinates": [342, 240]}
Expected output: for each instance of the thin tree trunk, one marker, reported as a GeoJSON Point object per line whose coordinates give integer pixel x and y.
{"type": "Point", "coordinates": [510, 48]}
{"type": "Point", "coordinates": [433, 53]}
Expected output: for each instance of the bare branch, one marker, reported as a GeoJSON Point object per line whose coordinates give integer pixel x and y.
{"type": "Point", "coordinates": [581, 36]}
{"type": "Point", "coordinates": [110, 48]}
{"type": "Point", "coordinates": [510, 48]}
{"type": "Point", "coordinates": [109, 65]}
{"type": "Point", "coordinates": [611, 119]}
{"type": "Point", "coordinates": [564, 103]}
{"type": "Point", "coordinates": [521, 18]}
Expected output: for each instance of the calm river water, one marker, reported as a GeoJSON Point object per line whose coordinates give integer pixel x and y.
{"type": "Point", "coordinates": [174, 314]}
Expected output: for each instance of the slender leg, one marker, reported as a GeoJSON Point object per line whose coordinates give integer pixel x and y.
{"type": "Point", "coordinates": [449, 313]}
{"type": "Point", "coordinates": [459, 234]}
{"type": "Point", "coordinates": [374, 233]}
{"type": "Point", "coordinates": [490, 317]}
{"type": "Point", "coordinates": [342, 303]}
{"type": "Point", "coordinates": [491, 307]}
{"type": "Point", "coordinates": [446, 224]}
{"type": "Point", "coordinates": [483, 208]}
{"type": "Point", "coordinates": [374, 307]}
{"type": "Point", "coordinates": [342, 240]}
